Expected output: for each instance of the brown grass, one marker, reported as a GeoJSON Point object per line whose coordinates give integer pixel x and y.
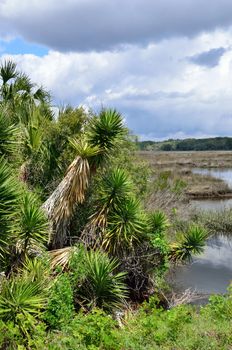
{"type": "Point", "coordinates": [206, 159]}
{"type": "Point", "coordinates": [180, 164]}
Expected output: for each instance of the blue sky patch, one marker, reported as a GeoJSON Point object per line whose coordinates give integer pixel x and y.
{"type": "Point", "coordinates": [19, 46]}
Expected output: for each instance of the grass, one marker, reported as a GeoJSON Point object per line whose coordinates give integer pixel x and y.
{"type": "Point", "coordinates": [178, 165]}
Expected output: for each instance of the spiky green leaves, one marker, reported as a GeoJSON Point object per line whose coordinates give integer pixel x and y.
{"type": "Point", "coordinates": [23, 224]}
{"type": "Point", "coordinates": [83, 148]}
{"type": "Point", "coordinates": [32, 226]}
{"type": "Point", "coordinates": [127, 227]}
{"type": "Point", "coordinates": [9, 136]}
{"type": "Point", "coordinates": [119, 219]}
{"type": "Point", "coordinates": [103, 132]}
{"type": "Point", "coordinates": [158, 222]}
{"type": "Point", "coordinates": [24, 294]}
{"type": "Point", "coordinates": [188, 244]}
{"type": "Point", "coordinates": [9, 198]}
{"type": "Point", "coordinates": [102, 287]}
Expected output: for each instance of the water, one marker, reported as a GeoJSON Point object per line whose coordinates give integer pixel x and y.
{"type": "Point", "coordinates": [210, 272]}
{"type": "Point", "coordinates": [223, 174]}
{"type": "Point", "coordinates": [212, 204]}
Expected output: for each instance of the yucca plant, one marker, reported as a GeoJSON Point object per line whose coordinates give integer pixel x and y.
{"type": "Point", "coordinates": [100, 140]}
{"type": "Point", "coordinates": [24, 296]}
{"type": "Point", "coordinates": [71, 190]}
{"type": "Point", "coordinates": [113, 190]}
{"type": "Point", "coordinates": [188, 244]}
{"type": "Point", "coordinates": [103, 132]}
{"type": "Point", "coordinates": [127, 226]}
{"type": "Point", "coordinates": [37, 270]}
{"type": "Point", "coordinates": [31, 229]}
{"type": "Point", "coordinates": [102, 287]}
{"type": "Point", "coordinates": [158, 222]}
{"type": "Point", "coordinates": [20, 296]}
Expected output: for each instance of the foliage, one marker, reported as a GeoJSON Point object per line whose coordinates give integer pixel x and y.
{"type": "Point", "coordinates": [9, 136]}
{"type": "Point", "coordinates": [126, 227]}
{"type": "Point", "coordinates": [192, 242]}
{"type": "Point", "coordinates": [86, 331]}
{"type": "Point", "coordinates": [149, 327]}
{"type": "Point", "coordinates": [32, 226]}
{"type": "Point", "coordinates": [60, 308]}
{"type": "Point", "coordinates": [158, 222]}
{"type": "Point", "coordinates": [20, 295]}
{"type": "Point", "coordinates": [85, 170]}
{"type": "Point", "coordinates": [102, 286]}
{"type": "Point", "coordinates": [204, 144]}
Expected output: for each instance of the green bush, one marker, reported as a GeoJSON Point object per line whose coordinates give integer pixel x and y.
{"type": "Point", "coordinates": [60, 306]}
{"type": "Point", "coordinates": [91, 331]}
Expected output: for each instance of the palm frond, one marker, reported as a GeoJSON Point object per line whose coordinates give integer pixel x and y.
{"type": "Point", "coordinates": [9, 136]}
{"type": "Point", "coordinates": [61, 257]}
{"type": "Point", "coordinates": [23, 84]}
{"type": "Point", "coordinates": [8, 71]}
{"type": "Point", "coordinates": [42, 95]}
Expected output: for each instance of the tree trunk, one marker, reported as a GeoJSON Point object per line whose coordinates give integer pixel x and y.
{"type": "Point", "coordinates": [59, 226]}
{"type": "Point", "coordinates": [60, 205]}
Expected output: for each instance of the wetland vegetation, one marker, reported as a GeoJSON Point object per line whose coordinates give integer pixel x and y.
{"type": "Point", "coordinates": [90, 230]}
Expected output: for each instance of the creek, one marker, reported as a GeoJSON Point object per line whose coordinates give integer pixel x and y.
{"type": "Point", "coordinates": [211, 272]}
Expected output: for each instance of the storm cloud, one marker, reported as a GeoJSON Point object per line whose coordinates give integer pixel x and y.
{"type": "Point", "coordinates": [166, 65]}
{"type": "Point", "coordinates": [87, 25]}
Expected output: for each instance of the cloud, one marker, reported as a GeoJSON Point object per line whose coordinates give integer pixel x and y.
{"type": "Point", "coordinates": [208, 58]}
{"type": "Point", "coordinates": [159, 92]}
{"type": "Point", "coordinates": [88, 25]}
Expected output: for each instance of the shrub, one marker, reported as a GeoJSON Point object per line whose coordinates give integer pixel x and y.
{"type": "Point", "coordinates": [60, 306]}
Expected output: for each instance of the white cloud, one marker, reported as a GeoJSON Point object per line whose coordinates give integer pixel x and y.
{"type": "Point", "coordinates": [159, 91]}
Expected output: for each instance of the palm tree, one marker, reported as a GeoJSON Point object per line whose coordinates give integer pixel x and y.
{"type": "Point", "coordinates": [19, 94]}
{"type": "Point", "coordinates": [99, 140]}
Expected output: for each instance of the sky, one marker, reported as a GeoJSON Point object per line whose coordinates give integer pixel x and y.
{"type": "Point", "coordinates": [166, 65]}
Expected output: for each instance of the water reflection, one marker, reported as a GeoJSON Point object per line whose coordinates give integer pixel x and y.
{"type": "Point", "coordinates": [212, 271]}
{"type": "Point", "coordinates": [211, 204]}
{"type": "Point", "coordinates": [223, 174]}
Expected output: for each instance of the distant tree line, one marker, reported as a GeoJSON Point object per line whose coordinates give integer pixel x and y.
{"type": "Point", "coordinates": [206, 144]}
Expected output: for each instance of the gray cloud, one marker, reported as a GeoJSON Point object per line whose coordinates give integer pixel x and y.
{"type": "Point", "coordinates": [160, 94]}
{"type": "Point", "coordinates": [85, 25]}
{"type": "Point", "coordinates": [208, 58]}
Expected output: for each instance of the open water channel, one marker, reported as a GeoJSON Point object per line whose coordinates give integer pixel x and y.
{"type": "Point", "coordinates": [210, 272]}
